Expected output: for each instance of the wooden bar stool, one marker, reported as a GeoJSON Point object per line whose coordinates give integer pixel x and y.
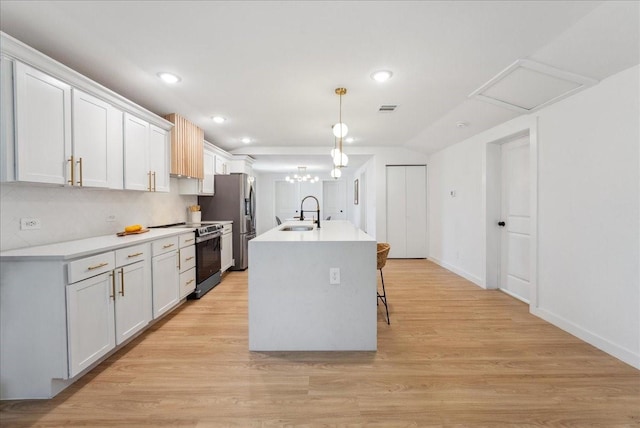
{"type": "Point", "coordinates": [383, 252]}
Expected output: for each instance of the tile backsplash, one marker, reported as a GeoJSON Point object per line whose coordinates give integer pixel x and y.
{"type": "Point", "coordinates": [75, 213]}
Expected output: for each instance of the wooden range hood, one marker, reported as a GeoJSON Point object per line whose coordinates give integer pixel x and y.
{"type": "Point", "coordinates": [187, 147]}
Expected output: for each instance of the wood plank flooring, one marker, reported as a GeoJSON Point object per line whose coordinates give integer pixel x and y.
{"type": "Point", "coordinates": [454, 355]}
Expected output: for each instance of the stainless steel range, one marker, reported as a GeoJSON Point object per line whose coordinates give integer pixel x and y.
{"type": "Point", "coordinates": [207, 259]}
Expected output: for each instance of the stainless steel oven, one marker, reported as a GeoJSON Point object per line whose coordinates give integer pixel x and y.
{"type": "Point", "coordinates": [208, 261]}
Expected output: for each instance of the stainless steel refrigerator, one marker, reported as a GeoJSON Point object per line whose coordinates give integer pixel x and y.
{"type": "Point", "coordinates": [235, 200]}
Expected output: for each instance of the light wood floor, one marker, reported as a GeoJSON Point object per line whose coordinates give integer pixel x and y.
{"type": "Point", "coordinates": [454, 355]}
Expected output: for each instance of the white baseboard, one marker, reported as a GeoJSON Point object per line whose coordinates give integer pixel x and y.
{"type": "Point", "coordinates": [466, 275]}
{"type": "Point", "coordinates": [621, 353]}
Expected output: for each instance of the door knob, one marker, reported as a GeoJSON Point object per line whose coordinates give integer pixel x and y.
{"type": "Point", "coordinates": [501, 223]}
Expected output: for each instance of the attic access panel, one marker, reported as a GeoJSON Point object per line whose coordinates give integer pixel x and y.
{"type": "Point", "coordinates": [526, 86]}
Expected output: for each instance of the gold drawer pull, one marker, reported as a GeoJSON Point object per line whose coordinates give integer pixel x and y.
{"type": "Point", "coordinates": [189, 240]}
{"type": "Point", "coordinates": [97, 266]}
{"type": "Point", "coordinates": [189, 258]}
{"type": "Point", "coordinates": [135, 255]}
{"type": "Point", "coordinates": [168, 246]}
{"type": "Point", "coordinates": [190, 281]}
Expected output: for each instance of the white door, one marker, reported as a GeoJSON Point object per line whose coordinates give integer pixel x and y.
{"type": "Point", "coordinates": [514, 265]}
{"type": "Point", "coordinates": [287, 204]}
{"type": "Point", "coordinates": [407, 211]}
{"type": "Point", "coordinates": [334, 199]}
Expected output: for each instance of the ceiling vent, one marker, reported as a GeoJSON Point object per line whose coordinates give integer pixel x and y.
{"type": "Point", "coordinates": [526, 86]}
{"type": "Point", "coordinates": [387, 108]}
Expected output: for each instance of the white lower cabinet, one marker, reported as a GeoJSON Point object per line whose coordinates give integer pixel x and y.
{"type": "Point", "coordinates": [90, 313]}
{"type": "Point", "coordinates": [187, 265]}
{"type": "Point", "coordinates": [104, 311]}
{"type": "Point", "coordinates": [78, 311]}
{"type": "Point", "coordinates": [226, 248]}
{"type": "Point", "coordinates": [165, 281]}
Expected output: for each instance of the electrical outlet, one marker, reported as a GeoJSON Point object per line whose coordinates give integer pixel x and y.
{"type": "Point", "coordinates": [111, 218]}
{"type": "Point", "coordinates": [334, 275]}
{"type": "Point", "coordinates": [30, 223]}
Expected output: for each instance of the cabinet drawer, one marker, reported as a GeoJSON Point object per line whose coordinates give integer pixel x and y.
{"type": "Point", "coordinates": [187, 239]}
{"type": "Point", "coordinates": [129, 255]}
{"type": "Point", "coordinates": [163, 245]}
{"type": "Point", "coordinates": [187, 258]}
{"type": "Point", "coordinates": [187, 282]}
{"type": "Point", "coordinates": [227, 228]}
{"type": "Point", "coordinates": [91, 266]}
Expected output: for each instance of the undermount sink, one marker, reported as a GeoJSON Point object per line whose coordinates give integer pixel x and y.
{"type": "Point", "coordinates": [296, 228]}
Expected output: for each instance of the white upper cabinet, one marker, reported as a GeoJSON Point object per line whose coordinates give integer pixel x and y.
{"type": "Point", "coordinates": [209, 172]}
{"type": "Point", "coordinates": [137, 175]}
{"type": "Point", "coordinates": [159, 158]}
{"type": "Point", "coordinates": [146, 156]}
{"type": "Point", "coordinates": [59, 127]}
{"type": "Point", "coordinates": [97, 142]}
{"type": "Point", "coordinates": [43, 127]}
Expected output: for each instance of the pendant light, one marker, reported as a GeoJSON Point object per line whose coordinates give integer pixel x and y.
{"type": "Point", "coordinates": [340, 130]}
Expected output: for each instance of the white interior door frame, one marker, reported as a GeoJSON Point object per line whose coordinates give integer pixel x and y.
{"type": "Point", "coordinates": [493, 206]}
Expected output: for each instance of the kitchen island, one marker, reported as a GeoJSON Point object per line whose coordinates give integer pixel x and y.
{"type": "Point", "coordinates": [295, 303]}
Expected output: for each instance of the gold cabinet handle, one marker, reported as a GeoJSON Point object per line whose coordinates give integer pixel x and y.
{"type": "Point", "coordinates": [122, 281]}
{"type": "Point", "coordinates": [189, 240]}
{"type": "Point", "coordinates": [154, 181]}
{"type": "Point", "coordinates": [98, 266]}
{"type": "Point", "coordinates": [134, 255]}
{"type": "Point", "coordinates": [79, 162]}
{"type": "Point", "coordinates": [189, 258]}
{"type": "Point", "coordinates": [190, 281]}
{"type": "Point", "coordinates": [72, 168]}
{"type": "Point", "coordinates": [113, 286]}
{"type": "Point", "coordinates": [168, 246]}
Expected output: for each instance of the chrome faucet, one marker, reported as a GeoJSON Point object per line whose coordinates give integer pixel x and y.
{"type": "Point", "coordinates": [317, 208]}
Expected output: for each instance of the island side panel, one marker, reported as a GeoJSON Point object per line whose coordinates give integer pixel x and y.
{"type": "Point", "coordinates": [292, 305]}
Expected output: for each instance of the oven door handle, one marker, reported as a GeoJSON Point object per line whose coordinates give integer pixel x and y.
{"type": "Point", "coordinates": [208, 237]}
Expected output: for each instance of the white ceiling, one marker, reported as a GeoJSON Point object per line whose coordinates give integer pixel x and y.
{"type": "Point", "coordinates": [271, 67]}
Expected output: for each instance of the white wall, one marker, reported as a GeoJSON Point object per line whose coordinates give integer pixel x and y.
{"type": "Point", "coordinates": [71, 213]}
{"type": "Point", "coordinates": [588, 274]}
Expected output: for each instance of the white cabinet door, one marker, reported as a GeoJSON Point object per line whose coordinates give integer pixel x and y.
{"type": "Point", "coordinates": [221, 165]}
{"type": "Point", "coordinates": [97, 142]}
{"type": "Point", "coordinates": [159, 158]}
{"type": "Point", "coordinates": [165, 282]}
{"type": "Point", "coordinates": [209, 162]}
{"type": "Point", "coordinates": [133, 300]}
{"type": "Point", "coordinates": [226, 251]}
{"type": "Point", "coordinates": [43, 126]}
{"type": "Point", "coordinates": [137, 175]}
{"type": "Point", "coordinates": [90, 312]}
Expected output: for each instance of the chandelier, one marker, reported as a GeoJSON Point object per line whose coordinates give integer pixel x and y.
{"type": "Point", "coordinates": [340, 130]}
{"type": "Point", "coordinates": [302, 176]}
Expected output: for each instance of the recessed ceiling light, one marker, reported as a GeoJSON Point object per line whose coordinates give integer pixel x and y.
{"type": "Point", "coordinates": [349, 139]}
{"type": "Point", "coordinates": [169, 77]}
{"type": "Point", "coordinates": [462, 124]}
{"type": "Point", "coordinates": [381, 75]}
{"type": "Point", "coordinates": [219, 119]}
{"type": "Point", "coordinates": [246, 140]}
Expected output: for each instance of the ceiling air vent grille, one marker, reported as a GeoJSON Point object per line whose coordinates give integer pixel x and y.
{"type": "Point", "coordinates": [387, 108]}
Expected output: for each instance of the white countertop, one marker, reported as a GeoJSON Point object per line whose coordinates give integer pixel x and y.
{"type": "Point", "coordinates": [83, 247]}
{"type": "Point", "coordinates": [330, 231]}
